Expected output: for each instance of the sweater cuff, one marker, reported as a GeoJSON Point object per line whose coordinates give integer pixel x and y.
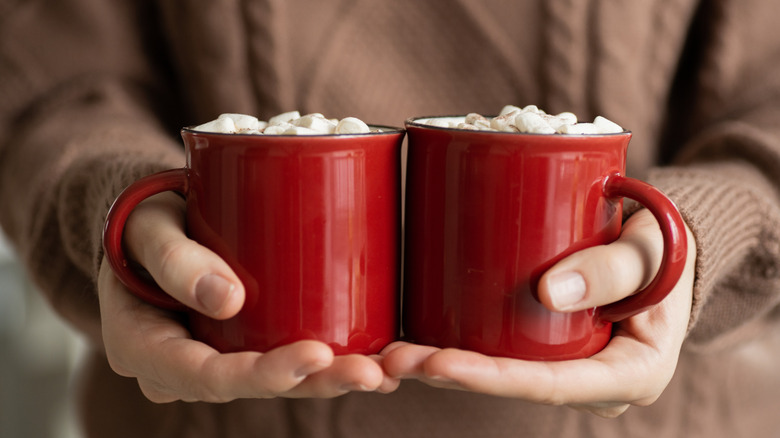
{"type": "Point", "coordinates": [101, 178]}
{"type": "Point", "coordinates": [726, 207]}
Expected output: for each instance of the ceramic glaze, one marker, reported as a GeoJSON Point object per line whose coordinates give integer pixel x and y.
{"type": "Point", "coordinates": [487, 213]}
{"type": "Point", "coordinates": [311, 225]}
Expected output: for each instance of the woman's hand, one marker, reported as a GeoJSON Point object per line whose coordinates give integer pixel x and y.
{"type": "Point", "coordinates": [153, 346]}
{"type": "Point", "coordinates": [633, 369]}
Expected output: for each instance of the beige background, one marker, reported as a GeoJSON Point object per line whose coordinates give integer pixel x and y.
{"type": "Point", "coordinates": [38, 355]}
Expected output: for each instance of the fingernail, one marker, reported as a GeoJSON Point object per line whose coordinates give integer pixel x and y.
{"type": "Point", "coordinates": [441, 379]}
{"type": "Point", "coordinates": [350, 387]}
{"type": "Point", "coordinates": [566, 289]}
{"type": "Point", "coordinates": [311, 368]}
{"type": "Point", "coordinates": [212, 292]}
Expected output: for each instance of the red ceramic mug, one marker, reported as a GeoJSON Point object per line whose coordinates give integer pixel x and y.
{"type": "Point", "coordinates": [487, 213]}
{"type": "Point", "coordinates": [309, 223]}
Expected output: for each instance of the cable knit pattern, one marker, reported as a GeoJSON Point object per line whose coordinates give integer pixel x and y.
{"type": "Point", "coordinates": [269, 56]}
{"type": "Point", "coordinates": [622, 29]}
{"type": "Point", "coordinates": [208, 48]}
{"type": "Point", "coordinates": [567, 72]}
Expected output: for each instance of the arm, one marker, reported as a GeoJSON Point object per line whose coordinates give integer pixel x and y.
{"type": "Point", "coordinates": [77, 123]}
{"type": "Point", "coordinates": [88, 108]}
{"type": "Point", "coordinates": [726, 177]}
{"type": "Point", "coordinates": [725, 180]}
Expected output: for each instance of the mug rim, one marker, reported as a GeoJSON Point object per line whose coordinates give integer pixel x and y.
{"type": "Point", "coordinates": [414, 122]}
{"type": "Point", "coordinates": [385, 130]}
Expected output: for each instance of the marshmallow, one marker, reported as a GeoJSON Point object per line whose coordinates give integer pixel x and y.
{"type": "Point", "coordinates": [567, 118]}
{"type": "Point", "coordinates": [607, 126]}
{"type": "Point", "coordinates": [351, 125]}
{"type": "Point", "coordinates": [440, 123]}
{"type": "Point", "coordinates": [222, 126]}
{"type": "Point", "coordinates": [505, 122]}
{"type": "Point", "coordinates": [468, 127]}
{"type": "Point", "coordinates": [300, 130]}
{"type": "Point", "coordinates": [508, 109]}
{"type": "Point", "coordinates": [529, 119]}
{"type": "Point", "coordinates": [532, 122]}
{"type": "Point", "coordinates": [477, 120]}
{"type": "Point", "coordinates": [242, 122]}
{"type": "Point", "coordinates": [289, 123]}
{"type": "Point", "coordinates": [316, 122]}
{"type": "Point", "coordinates": [559, 120]}
{"type": "Point", "coordinates": [532, 109]}
{"type": "Point", "coordinates": [284, 118]}
{"type": "Point", "coordinates": [277, 129]}
{"type": "Point", "coordinates": [580, 128]}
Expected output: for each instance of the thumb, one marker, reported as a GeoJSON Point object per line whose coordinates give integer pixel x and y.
{"type": "Point", "coordinates": [186, 270]}
{"type": "Point", "coordinates": [607, 273]}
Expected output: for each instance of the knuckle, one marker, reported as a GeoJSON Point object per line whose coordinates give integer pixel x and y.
{"type": "Point", "coordinates": [555, 398]}
{"type": "Point", "coordinates": [647, 401]}
{"type": "Point", "coordinates": [210, 386]}
{"type": "Point", "coordinates": [649, 391]}
{"type": "Point", "coordinates": [170, 254]}
{"type": "Point", "coordinates": [174, 264]}
{"type": "Point", "coordinates": [611, 412]}
{"type": "Point", "coordinates": [116, 365]}
{"type": "Point", "coordinates": [271, 385]}
{"type": "Point", "coordinates": [613, 268]}
{"type": "Point", "coordinates": [274, 388]}
{"type": "Point", "coordinates": [208, 392]}
{"type": "Point", "coordinates": [558, 395]}
{"type": "Point", "coordinates": [613, 274]}
{"type": "Point", "coordinates": [154, 393]}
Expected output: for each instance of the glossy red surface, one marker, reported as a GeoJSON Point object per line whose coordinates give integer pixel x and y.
{"type": "Point", "coordinates": [488, 213]}
{"type": "Point", "coordinates": [309, 223]}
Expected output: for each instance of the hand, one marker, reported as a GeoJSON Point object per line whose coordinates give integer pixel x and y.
{"type": "Point", "coordinates": [633, 369]}
{"type": "Point", "coordinates": [153, 346]}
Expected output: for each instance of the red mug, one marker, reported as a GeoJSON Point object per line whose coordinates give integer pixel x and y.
{"type": "Point", "coordinates": [310, 224]}
{"type": "Point", "coordinates": [487, 213]}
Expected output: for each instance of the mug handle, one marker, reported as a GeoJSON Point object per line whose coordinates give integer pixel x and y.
{"type": "Point", "coordinates": [169, 180]}
{"type": "Point", "coordinates": [675, 246]}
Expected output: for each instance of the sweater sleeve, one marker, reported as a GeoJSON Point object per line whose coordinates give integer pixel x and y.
{"type": "Point", "coordinates": [726, 180]}
{"type": "Point", "coordinates": [81, 104]}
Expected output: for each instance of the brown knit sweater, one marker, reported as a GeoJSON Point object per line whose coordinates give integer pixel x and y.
{"type": "Point", "coordinates": [92, 94]}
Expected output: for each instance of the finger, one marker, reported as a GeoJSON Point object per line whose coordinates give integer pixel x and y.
{"type": "Point", "coordinates": [348, 373]}
{"type": "Point", "coordinates": [404, 360]}
{"type": "Point", "coordinates": [151, 345]}
{"type": "Point", "coordinates": [627, 372]}
{"type": "Point", "coordinates": [606, 410]}
{"type": "Point", "coordinates": [125, 318]}
{"type": "Point", "coordinates": [393, 346]}
{"type": "Point", "coordinates": [608, 273]}
{"type": "Point", "coordinates": [196, 372]}
{"type": "Point", "coordinates": [583, 382]}
{"type": "Point", "coordinates": [188, 271]}
{"type": "Point", "coordinates": [389, 384]}
{"type": "Point", "coordinates": [634, 368]}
